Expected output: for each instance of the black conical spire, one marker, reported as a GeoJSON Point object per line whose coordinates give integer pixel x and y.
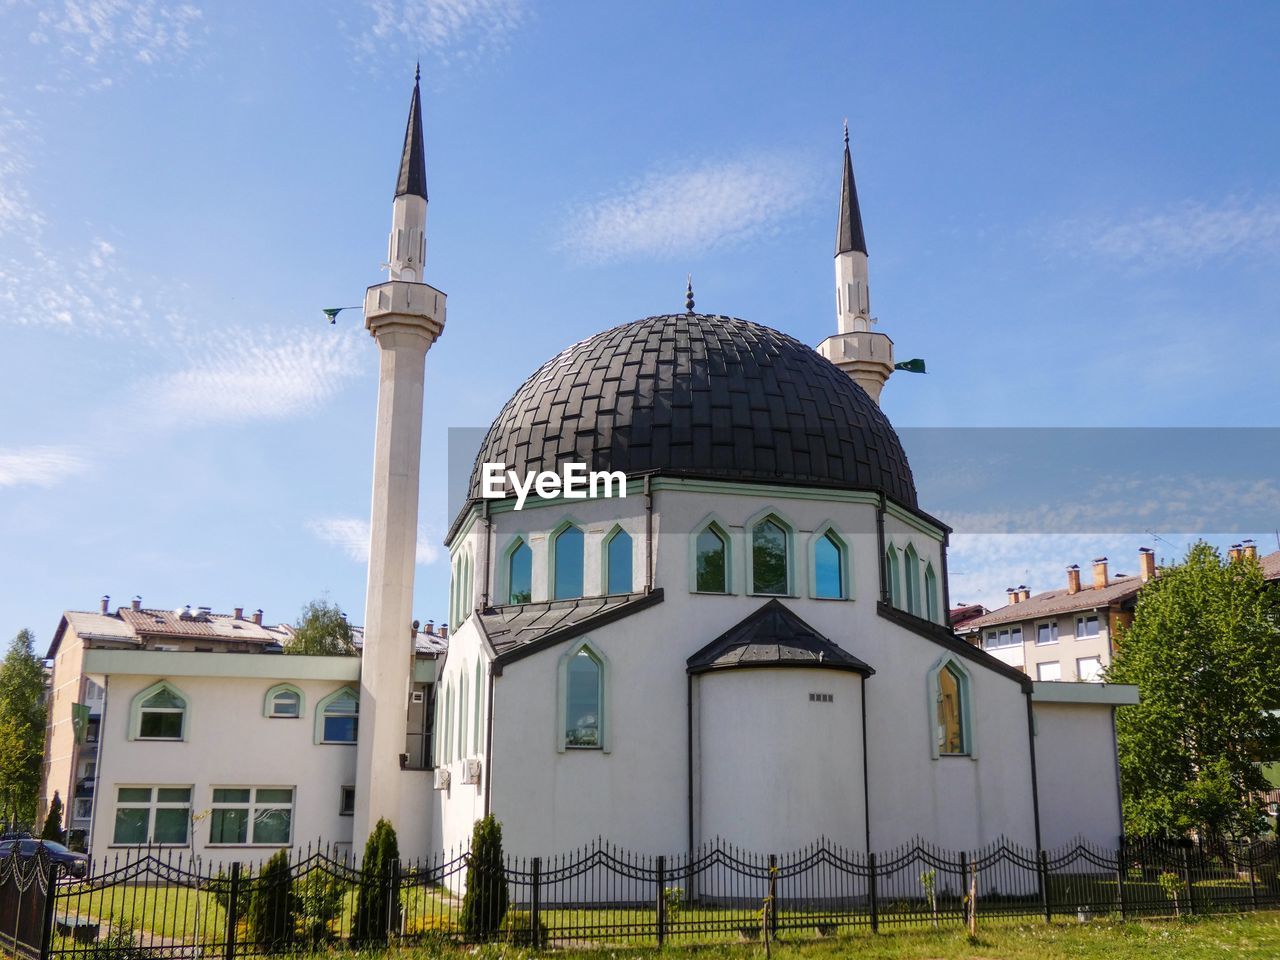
{"type": "Point", "coordinates": [849, 235]}
{"type": "Point", "coordinates": [413, 162]}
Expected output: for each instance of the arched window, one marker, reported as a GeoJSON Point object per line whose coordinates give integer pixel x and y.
{"type": "Point", "coordinates": [479, 713]}
{"type": "Point", "coordinates": [338, 717]}
{"type": "Point", "coordinates": [618, 562]}
{"type": "Point", "coordinates": [584, 701]}
{"type": "Point", "coordinates": [951, 715]}
{"type": "Point", "coordinates": [284, 700]}
{"type": "Point", "coordinates": [159, 713]}
{"type": "Point", "coordinates": [566, 549]}
{"type": "Point", "coordinates": [769, 558]}
{"type": "Point", "coordinates": [891, 574]}
{"type": "Point", "coordinates": [462, 712]}
{"type": "Point", "coordinates": [911, 570]}
{"type": "Point", "coordinates": [932, 609]}
{"type": "Point", "coordinates": [830, 573]}
{"type": "Point", "coordinates": [448, 723]}
{"type": "Point", "coordinates": [711, 560]}
{"type": "Point", "coordinates": [519, 573]}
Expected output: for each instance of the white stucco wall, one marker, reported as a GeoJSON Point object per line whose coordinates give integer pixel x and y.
{"type": "Point", "coordinates": [459, 806]}
{"type": "Point", "coordinates": [776, 769]}
{"type": "Point", "coordinates": [1076, 770]}
{"type": "Point", "coordinates": [228, 743]}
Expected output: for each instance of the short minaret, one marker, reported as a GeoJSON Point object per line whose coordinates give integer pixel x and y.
{"type": "Point", "coordinates": [405, 316]}
{"type": "Point", "coordinates": [866, 356]}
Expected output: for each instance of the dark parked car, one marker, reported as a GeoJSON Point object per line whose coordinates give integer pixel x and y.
{"type": "Point", "coordinates": [72, 863]}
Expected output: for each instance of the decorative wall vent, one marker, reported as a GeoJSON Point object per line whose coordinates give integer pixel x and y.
{"type": "Point", "coordinates": [821, 697]}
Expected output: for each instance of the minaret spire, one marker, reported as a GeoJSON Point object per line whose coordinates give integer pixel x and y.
{"type": "Point", "coordinates": [407, 245]}
{"type": "Point", "coordinates": [866, 356]}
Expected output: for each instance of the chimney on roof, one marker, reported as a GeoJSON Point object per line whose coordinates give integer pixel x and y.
{"type": "Point", "coordinates": [1100, 573]}
{"type": "Point", "coordinates": [1073, 579]}
{"type": "Point", "coordinates": [239, 613]}
{"type": "Point", "coordinates": [257, 617]}
{"type": "Point", "coordinates": [443, 632]}
{"type": "Point", "coordinates": [1012, 594]}
{"type": "Point", "coordinates": [1251, 550]}
{"type": "Point", "coordinates": [1146, 564]}
{"type": "Point", "coordinates": [1023, 593]}
{"type": "Point", "coordinates": [106, 604]}
{"type": "Point", "coordinates": [136, 603]}
{"type": "Point", "coordinates": [1236, 551]}
{"type": "Point", "coordinates": [205, 612]}
{"type": "Point", "coordinates": [430, 628]}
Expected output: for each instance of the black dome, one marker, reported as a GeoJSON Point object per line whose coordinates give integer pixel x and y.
{"type": "Point", "coordinates": [691, 395]}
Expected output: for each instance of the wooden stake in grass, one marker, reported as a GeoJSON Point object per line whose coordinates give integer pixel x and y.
{"type": "Point", "coordinates": [972, 900]}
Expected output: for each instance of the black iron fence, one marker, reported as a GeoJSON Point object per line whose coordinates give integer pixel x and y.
{"type": "Point", "coordinates": [151, 903]}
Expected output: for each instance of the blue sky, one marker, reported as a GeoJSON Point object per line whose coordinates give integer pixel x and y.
{"type": "Point", "coordinates": [1073, 213]}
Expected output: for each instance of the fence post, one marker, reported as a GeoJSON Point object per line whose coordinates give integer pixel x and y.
{"type": "Point", "coordinates": [660, 904]}
{"type": "Point", "coordinates": [393, 898]}
{"type": "Point", "coordinates": [535, 903]}
{"type": "Point", "coordinates": [1122, 868]}
{"type": "Point", "coordinates": [773, 896]}
{"type": "Point", "coordinates": [233, 903]}
{"type": "Point", "coordinates": [1044, 886]}
{"type": "Point", "coordinates": [871, 893]}
{"type": "Point", "coordinates": [50, 904]}
{"type": "Point", "coordinates": [1253, 880]}
{"type": "Point", "coordinates": [1186, 878]}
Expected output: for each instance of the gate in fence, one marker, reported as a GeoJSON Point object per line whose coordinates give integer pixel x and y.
{"type": "Point", "coordinates": [164, 904]}
{"type": "Point", "coordinates": [25, 903]}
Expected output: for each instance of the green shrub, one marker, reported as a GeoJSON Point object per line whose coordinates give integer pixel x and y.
{"type": "Point", "coordinates": [375, 915]}
{"type": "Point", "coordinates": [222, 890]}
{"type": "Point", "coordinates": [53, 822]}
{"type": "Point", "coordinates": [518, 930]}
{"type": "Point", "coordinates": [673, 898]}
{"type": "Point", "coordinates": [119, 943]}
{"type": "Point", "coordinates": [273, 909]}
{"type": "Point", "coordinates": [485, 902]}
{"type": "Point", "coordinates": [320, 897]}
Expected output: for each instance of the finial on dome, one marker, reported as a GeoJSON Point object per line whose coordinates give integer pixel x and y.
{"type": "Point", "coordinates": [846, 131]}
{"type": "Point", "coordinates": [417, 75]}
{"type": "Point", "coordinates": [688, 296]}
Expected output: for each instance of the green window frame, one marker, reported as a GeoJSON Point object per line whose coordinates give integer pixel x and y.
{"type": "Point", "coordinates": [770, 557]}
{"type": "Point", "coordinates": [893, 579]}
{"type": "Point", "coordinates": [251, 816]}
{"type": "Point", "coordinates": [479, 712]}
{"type": "Point", "coordinates": [154, 815]}
{"type": "Point", "coordinates": [582, 711]}
{"type": "Point", "coordinates": [568, 561]}
{"type": "Point", "coordinates": [284, 701]}
{"type": "Point", "coordinates": [338, 717]}
{"type": "Point", "coordinates": [950, 705]}
{"type": "Point", "coordinates": [517, 568]}
{"type": "Point", "coordinates": [933, 609]}
{"type": "Point", "coordinates": [830, 576]}
{"type": "Point", "coordinates": [161, 712]}
{"type": "Point", "coordinates": [617, 553]}
{"type": "Point", "coordinates": [711, 557]}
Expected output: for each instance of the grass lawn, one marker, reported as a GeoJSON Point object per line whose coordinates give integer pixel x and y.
{"type": "Point", "coordinates": [1250, 936]}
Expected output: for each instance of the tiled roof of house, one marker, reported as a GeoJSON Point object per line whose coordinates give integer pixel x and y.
{"type": "Point", "coordinates": [100, 626]}
{"type": "Point", "coordinates": [963, 616]}
{"type": "Point", "coordinates": [172, 623]}
{"type": "Point", "coordinates": [1271, 565]}
{"type": "Point", "coordinates": [1051, 602]}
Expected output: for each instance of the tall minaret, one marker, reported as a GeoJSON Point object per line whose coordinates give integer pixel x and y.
{"type": "Point", "coordinates": [405, 316]}
{"type": "Point", "coordinates": [865, 356]}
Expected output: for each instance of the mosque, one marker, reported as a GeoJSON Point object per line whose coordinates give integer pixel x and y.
{"type": "Point", "coordinates": [752, 644]}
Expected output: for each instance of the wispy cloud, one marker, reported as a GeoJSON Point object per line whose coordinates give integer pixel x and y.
{"type": "Point", "coordinates": [718, 203]}
{"type": "Point", "coordinates": [351, 535]}
{"type": "Point", "coordinates": [448, 29]}
{"type": "Point", "coordinates": [1186, 232]}
{"type": "Point", "coordinates": [39, 466]}
{"type": "Point", "coordinates": [100, 33]}
{"type": "Point", "coordinates": [246, 377]}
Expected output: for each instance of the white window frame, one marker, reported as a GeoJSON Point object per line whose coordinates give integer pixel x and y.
{"type": "Point", "coordinates": [1082, 623]}
{"type": "Point", "coordinates": [323, 705]}
{"type": "Point", "coordinates": [152, 804]}
{"type": "Point", "coordinates": [789, 542]}
{"type": "Point", "coordinates": [136, 710]}
{"type": "Point", "coordinates": [347, 790]}
{"type": "Point", "coordinates": [1097, 678]}
{"type": "Point", "coordinates": [562, 699]}
{"type": "Point", "coordinates": [1053, 633]}
{"type": "Point", "coordinates": [77, 803]}
{"type": "Point", "coordinates": [254, 809]}
{"type": "Point", "coordinates": [269, 703]}
{"type": "Point", "coordinates": [1046, 663]}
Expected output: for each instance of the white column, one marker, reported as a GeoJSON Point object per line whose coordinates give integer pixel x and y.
{"type": "Point", "coordinates": [405, 319]}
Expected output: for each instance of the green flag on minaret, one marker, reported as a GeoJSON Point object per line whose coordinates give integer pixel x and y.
{"type": "Point", "coordinates": [911, 366]}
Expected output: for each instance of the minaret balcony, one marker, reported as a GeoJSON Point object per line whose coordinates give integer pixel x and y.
{"type": "Point", "coordinates": [404, 304]}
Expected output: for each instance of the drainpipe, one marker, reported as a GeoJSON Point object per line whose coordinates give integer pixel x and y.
{"type": "Point", "coordinates": [946, 582]}
{"type": "Point", "coordinates": [884, 574]}
{"type": "Point", "coordinates": [488, 555]}
{"type": "Point", "coordinates": [866, 779]}
{"type": "Point", "coordinates": [689, 751]}
{"type": "Point", "coordinates": [488, 743]}
{"type": "Point", "coordinates": [1035, 788]}
{"type": "Point", "coordinates": [648, 535]}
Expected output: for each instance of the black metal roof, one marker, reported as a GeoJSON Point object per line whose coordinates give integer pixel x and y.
{"type": "Point", "coordinates": [413, 159]}
{"type": "Point", "coordinates": [849, 235]}
{"type": "Point", "coordinates": [773, 636]}
{"type": "Point", "coordinates": [516, 630]}
{"type": "Point", "coordinates": [691, 395]}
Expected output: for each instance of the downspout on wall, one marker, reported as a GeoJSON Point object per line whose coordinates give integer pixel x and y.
{"type": "Point", "coordinates": [1035, 787]}
{"type": "Point", "coordinates": [866, 779]}
{"type": "Point", "coordinates": [648, 535]}
{"type": "Point", "coordinates": [689, 751]}
{"type": "Point", "coordinates": [884, 574]}
{"type": "Point", "coordinates": [488, 745]}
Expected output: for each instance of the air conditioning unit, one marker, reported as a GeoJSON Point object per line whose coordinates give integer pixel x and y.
{"type": "Point", "coordinates": [442, 778]}
{"type": "Point", "coordinates": [470, 771]}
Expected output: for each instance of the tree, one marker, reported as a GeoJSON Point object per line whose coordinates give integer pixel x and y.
{"type": "Point", "coordinates": [1204, 650]}
{"type": "Point", "coordinates": [22, 726]}
{"type": "Point", "coordinates": [322, 631]}
{"type": "Point", "coordinates": [376, 915]}
{"type": "Point", "coordinates": [485, 902]}
{"type": "Point", "coordinates": [273, 909]}
{"type": "Point", "coordinates": [53, 822]}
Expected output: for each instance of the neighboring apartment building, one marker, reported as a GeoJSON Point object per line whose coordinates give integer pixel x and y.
{"type": "Point", "coordinates": [178, 727]}
{"type": "Point", "coordinates": [1064, 634]}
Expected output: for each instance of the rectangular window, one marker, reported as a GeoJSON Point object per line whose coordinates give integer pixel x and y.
{"type": "Point", "coordinates": [83, 808]}
{"type": "Point", "coordinates": [1049, 671]}
{"type": "Point", "coordinates": [347, 802]}
{"type": "Point", "coordinates": [1089, 669]}
{"type": "Point", "coordinates": [1003, 638]}
{"type": "Point", "coordinates": [1086, 626]}
{"type": "Point", "coordinates": [1047, 633]}
{"type": "Point", "coordinates": [152, 815]}
{"type": "Point", "coordinates": [251, 815]}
